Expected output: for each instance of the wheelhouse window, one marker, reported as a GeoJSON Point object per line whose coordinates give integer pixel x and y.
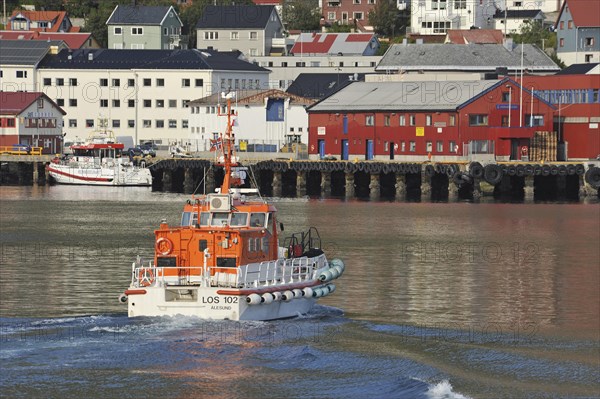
{"type": "Point", "coordinates": [219, 219]}
{"type": "Point", "coordinates": [239, 219]}
{"type": "Point", "coordinates": [257, 219]}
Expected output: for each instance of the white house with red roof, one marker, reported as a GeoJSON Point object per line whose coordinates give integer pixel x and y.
{"type": "Point", "coordinates": [309, 44]}
{"type": "Point", "coordinates": [578, 32]}
{"type": "Point", "coordinates": [41, 21]}
{"type": "Point", "coordinates": [31, 118]}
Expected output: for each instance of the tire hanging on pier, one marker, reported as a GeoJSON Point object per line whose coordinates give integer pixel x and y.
{"type": "Point", "coordinates": [476, 170]}
{"type": "Point", "coordinates": [429, 170]}
{"type": "Point", "coordinates": [592, 177]}
{"type": "Point", "coordinates": [492, 174]}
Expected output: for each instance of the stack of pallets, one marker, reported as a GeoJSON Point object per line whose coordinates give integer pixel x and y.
{"type": "Point", "coordinates": [543, 146]}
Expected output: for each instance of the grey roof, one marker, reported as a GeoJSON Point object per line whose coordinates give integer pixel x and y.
{"type": "Point", "coordinates": [403, 96]}
{"type": "Point", "coordinates": [464, 57]}
{"type": "Point", "coordinates": [138, 15]}
{"type": "Point", "coordinates": [149, 59]}
{"type": "Point", "coordinates": [578, 69]}
{"type": "Point", "coordinates": [235, 17]}
{"type": "Point", "coordinates": [320, 85]}
{"type": "Point", "coordinates": [25, 52]}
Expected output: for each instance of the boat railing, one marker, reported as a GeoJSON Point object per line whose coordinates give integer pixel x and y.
{"type": "Point", "coordinates": [253, 275]}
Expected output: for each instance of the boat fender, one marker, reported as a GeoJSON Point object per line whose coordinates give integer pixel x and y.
{"type": "Point", "coordinates": [338, 262]}
{"type": "Point", "coordinates": [326, 275]}
{"type": "Point", "coordinates": [298, 293]}
{"type": "Point", "coordinates": [317, 293]}
{"type": "Point", "coordinates": [339, 270]}
{"type": "Point", "coordinates": [277, 296]}
{"type": "Point", "coordinates": [287, 296]}
{"type": "Point", "coordinates": [164, 246]}
{"type": "Point", "coordinates": [254, 299]}
{"type": "Point", "coordinates": [122, 298]}
{"type": "Point", "coordinates": [267, 298]}
{"type": "Point", "coordinates": [331, 288]}
{"type": "Point", "coordinates": [308, 292]}
{"type": "Point", "coordinates": [334, 273]}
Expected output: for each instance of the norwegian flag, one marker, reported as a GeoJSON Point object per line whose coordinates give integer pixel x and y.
{"type": "Point", "coordinates": [216, 144]}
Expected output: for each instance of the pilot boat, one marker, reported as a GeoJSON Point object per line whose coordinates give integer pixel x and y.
{"type": "Point", "coordinates": [225, 261]}
{"type": "Point", "coordinates": [98, 162]}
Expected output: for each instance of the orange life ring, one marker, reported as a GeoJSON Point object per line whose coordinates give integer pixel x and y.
{"type": "Point", "coordinates": [146, 277]}
{"type": "Point", "coordinates": [524, 150]}
{"type": "Point", "coordinates": [164, 246]}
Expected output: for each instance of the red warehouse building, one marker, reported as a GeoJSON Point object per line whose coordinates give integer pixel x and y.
{"type": "Point", "coordinates": [410, 121]}
{"type": "Point", "coordinates": [575, 92]}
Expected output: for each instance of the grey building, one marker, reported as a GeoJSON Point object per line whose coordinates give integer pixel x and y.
{"type": "Point", "coordinates": [145, 27]}
{"type": "Point", "coordinates": [578, 32]}
{"type": "Point", "coordinates": [253, 30]}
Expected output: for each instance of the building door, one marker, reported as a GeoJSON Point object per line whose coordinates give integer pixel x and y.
{"type": "Point", "coordinates": [514, 149]}
{"type": "Point", "coordinates": [345, 150]}
{"type": "Point", "coordinates": [369, 154]}
{"type": "Point", "coordinates": [392, 149]}
{"type": "Point", "coordinates": [321, 144]}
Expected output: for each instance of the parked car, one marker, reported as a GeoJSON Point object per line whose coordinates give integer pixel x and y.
{"type": "Point", "coordinates": [148, 148]}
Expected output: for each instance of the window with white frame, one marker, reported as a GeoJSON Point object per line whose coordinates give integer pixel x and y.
{"type": "Point", "coordinates": [117, 30]}
{"type": "Point", "coordinates": [137, 30]}
{"type": "Point", "coordinates": [147, 123]}
{"type": "Point", "coordinates": [439, 146]}
{"type": "Point", "coordinates": [103, 103]}
{"type": "Point", "coordinates": [331, 15]}
{"type": "Point", "coordinates": [460, 4]}
{"type": "Point", "coordinates": [172, 123]}
{"type": "Point", "coordinates": [253, 35]}
{"type": "Point", "coordinates": [72, 122]}
{"type": "Point", "coordinates": [131, 123]}
{"type": "Point", "coordinates": [357, 15]}
{"type": "Point", "coordinates": [369, 120]}
{"type": "Point", "coordinates": [159, 123]}
{"type": "Point", "coordinates": [234, 36]}
{"type": "Point", "coordinates": [211, 35]}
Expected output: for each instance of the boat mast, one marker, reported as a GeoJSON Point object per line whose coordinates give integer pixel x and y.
{"type": "Point", "coordinates": [228, 141]}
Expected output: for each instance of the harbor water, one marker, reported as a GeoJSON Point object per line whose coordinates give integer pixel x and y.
{"type": "Point", "coordinates": [439, 300]}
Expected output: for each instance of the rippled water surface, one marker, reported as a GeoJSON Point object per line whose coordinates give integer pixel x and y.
{"type": "Point", "coordinates": [438, 301]}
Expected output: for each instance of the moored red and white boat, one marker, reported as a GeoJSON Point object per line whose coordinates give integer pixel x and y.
{"type": "Point", "coordinates": [225, 261]}
{"type": "Point", "coordinates": [98, 162]}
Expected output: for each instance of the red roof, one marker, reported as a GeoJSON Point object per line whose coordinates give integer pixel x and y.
{"type": "Point", "coordinates": [475, 36]}
{"type": "Point", "coordinates": [72, 40]}
{"type": "Point", "coordinates": [13, 103]}
{"type": "Point", "coordinates": [56, 17]}
{"type": "Point", "coordinates": [316, 46]}
{"type": "Point", "coordinates": [585, 13]}
{"type": "Point", "coordinates": [359, 37]}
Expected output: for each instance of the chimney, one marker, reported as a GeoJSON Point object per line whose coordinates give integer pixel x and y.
{"type": "Point", "coordinates": [91, 57]}
{"type": "Point", "coordinates": [508, 43]}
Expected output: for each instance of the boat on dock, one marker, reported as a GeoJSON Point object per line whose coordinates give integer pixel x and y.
{"type": "Point", "coordinates": [98, 162]}
{"type": "Point", "coordinates": [225, 260]}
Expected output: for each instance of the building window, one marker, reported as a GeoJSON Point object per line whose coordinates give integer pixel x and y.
{"type": "Point", "coordinates": [147, 103]}
{"type": "Point", "coordinates": [562, 25]}
{"type": "Point", "coordinates": [89, 123]}
{"type": "Point", "coordinates": [116, 103]}
{"type": "Point", "coordinates": [355, 1]}
{"type": "Point", "coordinates": [130, 82]}
{"type": "Point", "coordinates": [589, 58]}
{"type": "Point", "coordinates": [369, 120]}
{"type": "Point", "coordinates": [147, 123]}
{"type": "Point", "coordinates": [534, 120]}
{"type": "Point", "coordinates": [72, 81]}
{"type": "Point", "coordinates": [60, 102]}
{"type": "Point", "coordinates": [165, 31]}
{"type": "Point", "coordinates": [116, 82]}
{"type": "Point", "coordinates": [185, 83]}
{"type": "Point", "coordinates": [72, 122]}
{"type": "Point", "coordinates": [116, 123]}
{"type": "Point", "coordinates": [428, 146]}
{"type": "Point", "coordinates": [253, 35]}
{"type": "Point", "coordinates": [47, 81]}
{"type": "Point", "coordinates": [103, 103]}
{"type": "Point", "coordinates": [172, 103]}
{"type": "Point", "coordinates": [131, 103]}
{"type": "Point", "coordinates": [427, 120]}
{"type": "Point", "coordinates": [103, 82]}
{"type": "Point", "coordinates": [147, 82]}
{"type": "Point", "coordinates": [184, 123]}
{"type": "Point", "coordinates": [453, 148]}
{"type": "Point", "coordinates": [451, 120]}
{"type": "Point", "coordinates": [460, 4]}
{"type": "Point", "coordinates": [160, 103]}
{"type": "Point", "coordinates": [211, 35]}
{"type": "Point", "coordinates": [589, 41]}
{"type": "Point", "coordinates": [21, 74]}
{"type": "Point", "coordinates": [562, 42]}
{"type": "Point", "coordinates": [72, 102]}
{"type": "Point", "coordinates": [60, 82]}
{"type": "Point", "coordinates": [130, 123]}
{"type": "Point", "coordinates": [478, 120]}
{"type": "Point", "coordinates": [505, 96]}
{"type": "Point", "coordinates": [412, 146]}
{"type": "Point", "coordinates": [357, 15]}
{"type": "Point", "coordinates": [117, 30]}
{"type": "Point", "coordinates": [160, 82]}
{"type": "Point", "coordinates": [172, 123]}
{"type": "Point", "coordinates": [331, 15]}
{"type": "Point", "coordinates": [439, 146]}
{"type": "Point", "coordinates": [570, 24]}
{"type": "Point", "coordinates": [137, 31]}
{"type": "Point", "coordinates": [412, 120]}
{"type": "Point", "coordinates": [235, 36]}
{"type": "Point", "coordinates": [438, 4]}
{"type": "Point", "coordinates": [184, 103]}
{"type": "Point", "coordinates": [159, 123]}
{"type": "Point", "coordinates": [402, 120]}
{"type": "Point", "coordinates": [386, 120]}
{"type": "Point", "coordinates": [517, 4]}
{"type": "Point", "coordinates": [402, 146]}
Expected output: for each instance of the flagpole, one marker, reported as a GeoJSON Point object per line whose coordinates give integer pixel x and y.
{"type": "Point", "coordinates": [521, 99]}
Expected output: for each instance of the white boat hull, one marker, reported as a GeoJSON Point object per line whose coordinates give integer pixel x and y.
{"type": "Point", "coordinates": [206, 303]}
{"type": "Point", "coordinates": [101, 176]}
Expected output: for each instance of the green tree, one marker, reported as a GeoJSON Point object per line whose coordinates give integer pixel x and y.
{"type": "Point", "coordinates": [534, 32]}
{"type": "Point", "coordinates": [95, 22]}
{"type": "Point", "coordinates": [385, 18]}
{"type": "Point", "coordinates": [302, 15]}
{"type": "Point", "coordinates": [79, 8]}
{"type": "Point", "coordinates": [46, 5]}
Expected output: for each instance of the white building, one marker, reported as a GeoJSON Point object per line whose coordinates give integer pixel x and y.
{"type": "Point", "coordinates": [435, 17]}
{"type": "Point", "coordinates": [265, 121]}
{"type": "Point", "coordinates": [143, 93]}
